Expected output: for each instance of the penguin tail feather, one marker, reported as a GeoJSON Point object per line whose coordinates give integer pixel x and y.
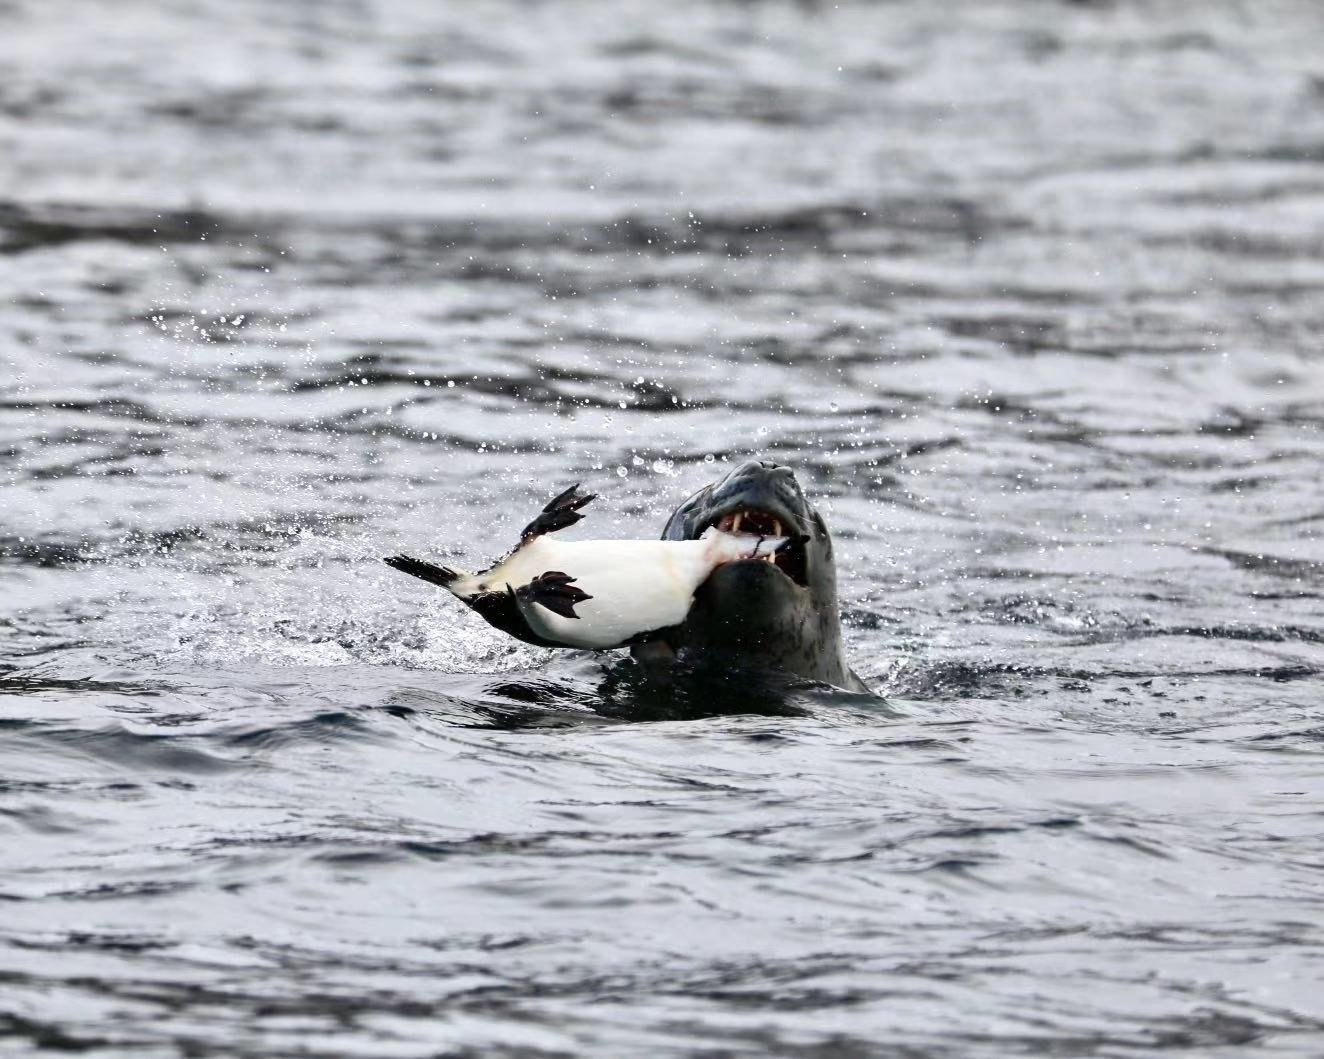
{"type": "Point", "coordinates": [432, 574]}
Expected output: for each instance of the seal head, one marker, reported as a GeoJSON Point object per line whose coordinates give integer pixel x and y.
{"type": "Point", "coordinates": [778, 614]}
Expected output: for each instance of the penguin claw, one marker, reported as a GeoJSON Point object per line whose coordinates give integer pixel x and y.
{"type": "Point", "coordinates": [555, 591]}
{"type": "Point", "coordinates": [561, 511]}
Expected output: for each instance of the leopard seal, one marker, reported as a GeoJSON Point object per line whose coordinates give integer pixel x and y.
{"type": "Point", "coordinates": [752, 614]}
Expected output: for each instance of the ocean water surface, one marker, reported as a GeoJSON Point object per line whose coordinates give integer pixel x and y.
{"type": "Point", "coordinates": [1031, 297]}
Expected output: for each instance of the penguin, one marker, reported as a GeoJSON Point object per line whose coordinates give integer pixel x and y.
{"type": "Point", "coordinates": [596, 594]}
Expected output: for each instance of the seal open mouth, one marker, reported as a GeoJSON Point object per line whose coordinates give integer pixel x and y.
{"type": "Point", "coordinates": [789, 559]}
{"type": "Point", "coordinates": [745, 614]}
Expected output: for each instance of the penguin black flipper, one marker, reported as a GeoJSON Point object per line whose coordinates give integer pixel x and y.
{"type": "Point", "coordinates": [561, 511]}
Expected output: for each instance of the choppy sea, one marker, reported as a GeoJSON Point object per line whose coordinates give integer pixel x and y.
{"type": "Point", "coordinates": [1031, 297]}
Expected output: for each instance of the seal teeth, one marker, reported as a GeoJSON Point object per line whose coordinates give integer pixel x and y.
{"type": "Point", "coordinates": [753, 521]}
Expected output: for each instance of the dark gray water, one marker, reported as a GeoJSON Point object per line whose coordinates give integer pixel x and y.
{"type": "Point", "coordinates": [1030, 294]}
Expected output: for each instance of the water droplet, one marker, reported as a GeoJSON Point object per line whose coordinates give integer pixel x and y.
{"type": "Point", "coordinates": [621, 472]}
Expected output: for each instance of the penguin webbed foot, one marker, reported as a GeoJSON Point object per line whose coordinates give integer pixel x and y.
{"type": "Point", "coordinates": [554, 590]}
{"type": "Point", "coordinates": [561, 511]}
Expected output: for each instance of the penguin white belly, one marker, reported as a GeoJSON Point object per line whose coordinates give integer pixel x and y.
{"type": "Point", "coordinates": [636, 586]}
